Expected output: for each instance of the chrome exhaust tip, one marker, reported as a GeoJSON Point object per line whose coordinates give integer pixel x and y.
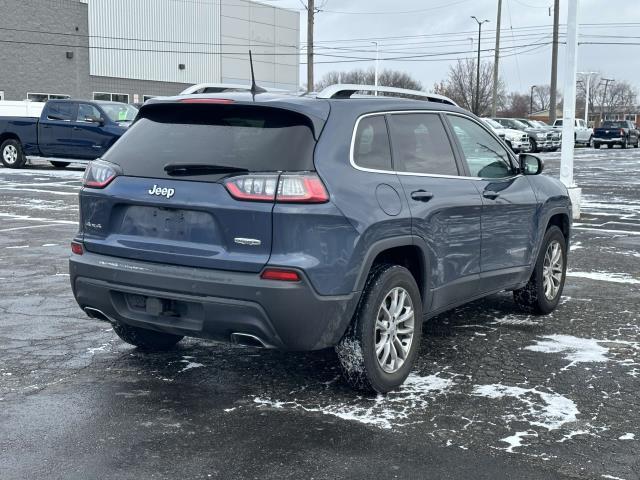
{"type": "Point", "coordinates": [248, 340]}
{"type": "Point", "coordinates": [98, 314]}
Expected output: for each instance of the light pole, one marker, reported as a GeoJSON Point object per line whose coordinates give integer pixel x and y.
{"type": "Point", "coordinates": [568, 128]}
{"type": "Point", "coordinates": [376, 74]}
{"type": "Point", "coordinates": [533, 87]}
{"type": "Point", "coordinates": [477, 102]}
{"type": "Point", "coordinates": [587, 84]}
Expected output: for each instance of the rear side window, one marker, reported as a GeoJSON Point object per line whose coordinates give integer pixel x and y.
{"type": "Point", "coordinates": [65, 111]}
{"type": "Point", "coordinates": [371, 146]}
{"type": "Point", "coordinates": [257, 139]}
{"type": "Point", "coordinates": [421, 145]}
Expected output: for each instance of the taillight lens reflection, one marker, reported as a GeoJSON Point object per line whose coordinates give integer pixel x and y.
{"type": "Point", "coordinates": [291, 188]}
{"type": "Point", "coordinates": [99, 174]}
{"type": "Point", "coordinates": [257, 188]}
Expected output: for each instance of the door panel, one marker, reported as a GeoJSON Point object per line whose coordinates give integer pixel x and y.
{"type": "Point", "coordinates": [445, 208]}
{"type": "Point", "coordinates": [56, 130]}
{"type": "Point", "coordinates": [90, 139]}
{"type": "Point", "coordinates": [508, 206]}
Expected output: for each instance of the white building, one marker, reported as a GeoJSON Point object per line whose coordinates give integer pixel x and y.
{"type": "Point", "coordinates": [127, 50]}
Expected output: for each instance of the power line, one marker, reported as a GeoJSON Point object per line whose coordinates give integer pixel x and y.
{"type": "Point", "coordinates": [397, 12]}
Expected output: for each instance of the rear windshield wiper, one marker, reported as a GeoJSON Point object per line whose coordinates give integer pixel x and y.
{"type": "Point", "coordinates": [185, 169]}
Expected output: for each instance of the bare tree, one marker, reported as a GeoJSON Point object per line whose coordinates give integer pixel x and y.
{"type": "Point", "coordinates": [460, 86]}
{"type": "Point", "coordinates": [607, 97]}
{"type": "Point", "coordinates": [517, 105]}
{"type": "Point", "coordinates": [386, 78]}
{"type": "Point", "coordinates": [542, 98]}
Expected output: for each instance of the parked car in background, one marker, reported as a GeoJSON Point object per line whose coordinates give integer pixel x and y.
{"type": "Point", "coordinates": [282, 222]}
{"type": "Point", "coordinates": [67, 130]}
{"type": "Point", "coordinates": [616, 132]}
{"type": "Point", "coordinates": [556, 135]}
{"type": "Point", "coordinates": [540, 139]}
{"type": "Point", "coordinates": [517, 140]}
{"type": "Point", "coordinates": [583, 134]}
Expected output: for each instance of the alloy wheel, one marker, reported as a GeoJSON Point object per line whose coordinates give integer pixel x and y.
{"type": "Point", "coordinates": [10, 154]}
{"type": "Point", "coordinates": [552, 270]}
{"type": "Point", "coordinates": [394, 329]}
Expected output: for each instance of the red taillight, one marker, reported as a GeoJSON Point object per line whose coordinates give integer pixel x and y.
{"type": "Point", "coordinates": [224, 101]}
{"type": "Point", "coordinates": [280, 274]}
{"type": "Point", "coordinates": [76, 248]}
{"type": "Point", "coordinates": [301, 189]}
{"type": "Point", "coordinates": [99, 174]}
{"type": "Point", "coordinates": [291, 188]}
{"type": "Point", "coordinates": [256, 188]}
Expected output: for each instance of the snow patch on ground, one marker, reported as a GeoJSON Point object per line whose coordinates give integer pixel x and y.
{"type": "Point", "coordinates": [538, 408]}
{"type": "Point", "coordinates": [383, 411]}
{"type": "Point", "coordinates": [581, 350]}
{"type": "Point", "coordinates": [605, 277]}
{"type": "Point", "coordinates": [515, 320]}
{"type": "Point", "coordinates": [576, 350]}
{"type": "Point", "coordinates": [627, 436]}
{"type": "Point", "coordinates": [189, 364]}
{"type": "Point", "coordinates": [515, 440]}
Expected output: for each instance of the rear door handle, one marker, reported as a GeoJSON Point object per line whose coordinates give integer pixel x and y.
{"type": "Point", "coordinates": [421, 195]}
{"type": "Point", "coordinates": [490, 194]}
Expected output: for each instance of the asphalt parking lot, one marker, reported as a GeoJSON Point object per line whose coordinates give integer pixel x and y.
{"type": "Point", "coordinates": [495, 394]}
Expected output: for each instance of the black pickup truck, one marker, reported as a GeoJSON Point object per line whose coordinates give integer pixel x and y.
{"type": "Point", "coordinates": [78, 130]}
{"type": "Point", "coordinates": [616, 132]}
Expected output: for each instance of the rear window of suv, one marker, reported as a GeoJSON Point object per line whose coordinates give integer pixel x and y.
{"type": "Point", "coordinates": [253, 138]}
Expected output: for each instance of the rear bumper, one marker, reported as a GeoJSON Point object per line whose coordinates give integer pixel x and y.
{"type": "Point", "coordinates": [211, 304]}
{"type": "Point", "coordinates": [608, 140]}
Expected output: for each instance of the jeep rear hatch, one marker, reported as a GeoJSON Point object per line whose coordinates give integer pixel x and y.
{"type": "Point", "coordinates": [195, 184]}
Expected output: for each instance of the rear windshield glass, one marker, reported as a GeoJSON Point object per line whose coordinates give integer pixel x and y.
{"type": "Point", "coordinates": [611, 124]}
{"type": "Point", "coordinates": [245, 137]}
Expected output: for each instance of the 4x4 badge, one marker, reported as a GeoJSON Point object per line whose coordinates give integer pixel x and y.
{"type": "Point", "coordinates": [165, 192]}
{"type": "Point", "coordinates": [254, 242]}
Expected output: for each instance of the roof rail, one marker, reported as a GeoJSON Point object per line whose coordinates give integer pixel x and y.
{"type": "Point", "coordinates": [347, 90]}
{"type": "Point", "coordinates": [222, 87]}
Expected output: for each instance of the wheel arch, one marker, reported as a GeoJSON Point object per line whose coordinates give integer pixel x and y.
{"type": "Point", "coordinates": [9, 136]}
{"type": "Point", "coordinates": [408, 251]}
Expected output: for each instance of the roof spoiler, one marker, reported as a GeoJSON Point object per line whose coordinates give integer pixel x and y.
{"type": "Point", "coordinates": [347, 90]}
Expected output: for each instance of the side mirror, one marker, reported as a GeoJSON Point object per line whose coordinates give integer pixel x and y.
{"type": "Point", "coordinates": [530, 164]}
{"type": "Point", "coordinates": [98, 120]}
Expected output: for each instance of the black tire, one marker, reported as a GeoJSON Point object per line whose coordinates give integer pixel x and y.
{"type": "Point", "coordinates": [637, 144]}
{"type": "Point", "coordinates": [146, 339]}
{"type": "Point", "coordinates": [596, 145]}
{"type": "Point", "coordinates": [357, 349]}
{"type": "Point", "coordinates": [624, 143]}
{"type": "Point", "coordinates": [11, 154]}
{"type": "Point", "coordinates": [609, 145]}
{"type": "Point", "coordinates": [534, 145]}
{"type": "Point", "coordinates": [531, 298]}
{"type": "Point", "coordinates": [60, 164]}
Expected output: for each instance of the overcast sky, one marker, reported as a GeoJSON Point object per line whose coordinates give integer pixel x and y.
{"type": "Point", "coordinates": [521, 66]}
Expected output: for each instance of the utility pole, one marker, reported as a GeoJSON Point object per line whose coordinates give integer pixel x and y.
{"type": "Point", "coordinates": [376, 74]}
{"type": "Point", "coordinates": [568, 127]}
{"type": "Point", "coordinates": [533, 87]}
{"type": "Point", "coordinates": [311, 11]}
{"type": "Point", "coordinates": [606, 81]}
{"type": "Point", "coordinates": [554, 62]}
{"type": "Point", "coordinates": [496, 59]}
{"type": "Point", "coordinates": [476, 108]}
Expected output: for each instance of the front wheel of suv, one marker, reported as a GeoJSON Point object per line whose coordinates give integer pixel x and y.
{"type": "Point", "coordinates": [542, 293]}
{"type": "Point", "coordinates": [381, 344]}
{"type": "Point", "coordinates": [146, 339]}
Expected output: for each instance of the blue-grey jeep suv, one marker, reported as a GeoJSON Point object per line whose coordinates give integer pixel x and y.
{"type": "Point", "coordinates": [302, 223]}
